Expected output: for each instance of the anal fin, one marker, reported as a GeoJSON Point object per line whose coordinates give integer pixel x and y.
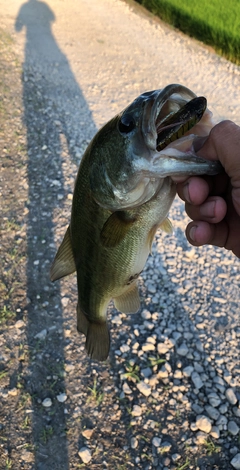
{"type": "Point", "coordinates": [64, 263]}
{"type": "Point", "coordinates": [129, 302]}
{"type": "Point", "coordinates": [82, 321]}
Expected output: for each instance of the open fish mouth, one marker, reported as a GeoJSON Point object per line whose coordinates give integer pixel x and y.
{"type": "Point", "coordinates": [178, 124]}
{"type": "Point", "coordinates": [172, 120]}
{"type": "Point", "coordinates": [170, 114]}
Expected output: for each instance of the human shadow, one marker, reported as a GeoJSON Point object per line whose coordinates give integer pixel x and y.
{"type": "Point", "coordinates": [53, 108]}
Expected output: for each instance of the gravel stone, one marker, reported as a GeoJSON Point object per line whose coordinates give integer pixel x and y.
{"type": "Point", "coordinates": [236, 411]}
{"type": "Point", "coordinates": [187, 371]}
{"type": "Point", "coordinates": [165, 446]}
{"type": "Point", "coordinates": [203, 423]}
{"type": "Point", "coordinates": [137, 410]}
{"type": "Point", "coordinates": [62, 397]}
{"type": "Point", "coordinates": [85, 454]}
{"type": "Point", "coordinates": [19, 324]}
{"type": "Point", "coordinates": [144, 388]}
{"type": "Point", "coordinates": [215, 432]}
{"type": "Point", "coordinates": [47, 402]}
{"type": "Point", "coordinates": [148, 347]}
{"type": "Point", "coordinates": [87, 433]}
{"type": "Point", "coordinates": [235, 462]}
{"type": "Point", "coordinates": [124, 348]}
{"type": "Point", "coordinates": [162, 348]}
{"type": "Point", "coordinates": [214, 399]}
{"type": "Point", "coordinates": [201, 438]}
{"type": "Point", "coordinates": [134, 443]}
{"type": "Point", "coordinates": [182, 350]}
{"type": "Point", "coordinates": [196, 379]}
{"type": "Point", "coordinates": [147, 372]}
{"type": "Point", "coordinates": [212, 412]}
{"type": "Point", "coordinates": [233, 428]}
{"type": "Point", "coordinates": [41, 335]}
{"type": "Point", "coordinates": [156, 441]}
{"type": "Point", "coordinates": [146, 315]}
{"type": "Point", "coordinates": [230, 396]}
{"type": "Point", "coordinates": [126, 389]}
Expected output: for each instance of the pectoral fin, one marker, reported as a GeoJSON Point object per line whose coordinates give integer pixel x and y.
{"type": "Point", "coordinates": [64, 263]}
{"type": "Point", "coordinates": [116, 228]}
{"type": "Point", "coordinates": [129, 302]}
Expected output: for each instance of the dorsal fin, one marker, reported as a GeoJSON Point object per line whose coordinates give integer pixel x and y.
{"type": "Point", "coordinates": [64, 263]}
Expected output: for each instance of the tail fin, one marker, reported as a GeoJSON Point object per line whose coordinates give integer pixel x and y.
{"type": "Point", "coordinates": [98, 341]}
{"type": "Point", "coordinates": [97, 336]}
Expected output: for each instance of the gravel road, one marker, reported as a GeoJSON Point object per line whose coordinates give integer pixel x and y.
{"type": "Point", "coordinates": [169, 395]}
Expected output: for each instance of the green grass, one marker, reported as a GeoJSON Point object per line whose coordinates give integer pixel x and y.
{"type": "Point", "coordinates": [96, 393]}
{"type": "Point", "coordinates": [6, 314]}
{"type": "Point", "coordinates": [215, 22]}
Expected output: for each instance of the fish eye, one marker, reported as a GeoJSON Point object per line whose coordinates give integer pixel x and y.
{"type": "Point", "coordinates": [126, 124]}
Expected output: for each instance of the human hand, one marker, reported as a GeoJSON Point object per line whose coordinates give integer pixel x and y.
{"type": "Point", "coordinates": [213, 202]}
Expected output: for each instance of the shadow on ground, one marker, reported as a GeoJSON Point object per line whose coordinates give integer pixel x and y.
{"type": "Point", "coordinates": [53, 106]}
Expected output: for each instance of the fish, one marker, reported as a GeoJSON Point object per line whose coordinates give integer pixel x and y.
{"type": "Point", "coordinates": [122, 196]}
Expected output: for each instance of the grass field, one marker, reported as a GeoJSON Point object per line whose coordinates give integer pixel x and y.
{"type": "Point", "coordinates": [215, 22]}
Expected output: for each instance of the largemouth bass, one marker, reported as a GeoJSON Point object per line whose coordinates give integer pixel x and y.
{"type": "Point", "coordinates": [122, 195]}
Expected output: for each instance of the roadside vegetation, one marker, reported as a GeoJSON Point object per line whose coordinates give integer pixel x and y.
{"type": "Point", "coordinates": [216, 23]}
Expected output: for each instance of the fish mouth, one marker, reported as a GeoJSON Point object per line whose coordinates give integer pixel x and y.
{"type": "Point", "coordinates": [173, 119]}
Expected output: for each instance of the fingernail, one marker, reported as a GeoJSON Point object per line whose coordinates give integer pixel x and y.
{"type": "Point", "coordinates": [192, 232]}
{"type": "Point", "coordinates": [208, 209]}
{"type": "Point", "coordinates": [186, 193]}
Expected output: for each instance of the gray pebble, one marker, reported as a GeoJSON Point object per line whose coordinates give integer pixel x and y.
{"type": "Point", "coordinates": [198, 409]}
{"type": "Point", "coordinates": [212, 412]}
{"type": "Point", "coordinates": [235, 462]}
{"type": "Point", "coordinates": [147, 372]}
{"type": "Point", "coordinates": [182, 350]}
{"type": "Point", "coordinates": [236, 411]}
{"type": "Point", "coordinates": [41, 335]}
{"type": "Point", "coordinates": [146, 315]}
{"type": "Point", "coordinates": [215, 432]}
{"type": "Point", "coordinates": [230, 396]}
{"type": "Point", "coordinates": [47, 402]}
{"type": "Point", "coordinates": [233, 428]}
{"type": "Point", "coordinates": [214, 399]}
{"type": "Point", "coordinates": [196, 379]}
{"type": "Point", "coordinates": [156, 441]}
{"type": "Point", "coordinates": [165, 446]}
{"type": "Point", "coordinates": [223, 408]}
{"type": "Point", "coordinates": [187, 371]}
{"type": "Point", "coordinates": [134, 442]}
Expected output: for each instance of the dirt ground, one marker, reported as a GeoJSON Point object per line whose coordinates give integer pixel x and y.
{"type": "Point", "coordinates": [54, 400]}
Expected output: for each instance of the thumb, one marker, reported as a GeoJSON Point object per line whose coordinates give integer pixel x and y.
{"type": "Point", "coordinates": [223, 143]}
